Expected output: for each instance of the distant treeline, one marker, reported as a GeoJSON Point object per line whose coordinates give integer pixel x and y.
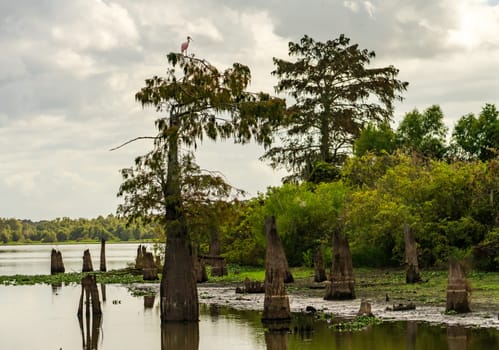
{"type": "Point", "coordinates": [66, 229]}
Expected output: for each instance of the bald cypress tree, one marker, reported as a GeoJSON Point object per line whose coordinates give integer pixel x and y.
{"type": "Point", "coordinates": [198, 101]}
{"type": "Point", "coordinates": [336, 95]}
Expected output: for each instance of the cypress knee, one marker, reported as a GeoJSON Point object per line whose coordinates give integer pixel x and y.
{"type": "Point", "coordinates": [276, 303]}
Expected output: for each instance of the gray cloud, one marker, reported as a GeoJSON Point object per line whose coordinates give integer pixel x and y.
{"type": "Point", "coordinates": [69, 71]}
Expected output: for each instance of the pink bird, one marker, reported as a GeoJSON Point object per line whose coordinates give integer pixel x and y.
{"type": "Point", "coordinates": [185, 45]}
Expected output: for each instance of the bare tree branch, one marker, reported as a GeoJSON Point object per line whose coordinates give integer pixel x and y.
{"type": "Point", "coordinates": [133, 140]}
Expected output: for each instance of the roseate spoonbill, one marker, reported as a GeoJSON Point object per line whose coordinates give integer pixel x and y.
{"type": "Point", "coordinates": [185, 45]}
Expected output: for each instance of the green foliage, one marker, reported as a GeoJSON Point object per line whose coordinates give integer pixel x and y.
{"type": "Point", "coordinates": [378, 140]}
{"type": "Point", "coordinates": [447, 206]}
{"type": "Point", "coordinates": [65, 229]}
{"type": "Point", "coordinates": [486, 253]}
{"type": "Point", "coordinates": [336, 94]}
{"type": "Point", "coordinates": [477, 138]}
{"type": "Point", "coordinates": [423, 133]}
{"type": "Point", "coordinates": [243, 241]}
{"type": "Point", "coordinates": [324, 172]}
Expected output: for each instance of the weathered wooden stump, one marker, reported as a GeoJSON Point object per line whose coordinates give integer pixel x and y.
{"type": "Point", "coordinates": [103, 267]}
{"type": "Point", "coordinates": [319, 269]}
{"type": "Point", "coordinates": [251, 287]}
{"type": "Point", "coordinates": [402, 307]}
{"type": "Point", "coordinates": [411, 256]}
{"type": "Point", "coordinates": [458, 289]}
{"type": "Point", "coordinates": [87, 262]}
{"type": "Point", "coordinates": [199, 270]}
{"type": "Point", "coordinates": [342, 281]}
{"type": "Point", "coordinates": [365, 309]}
{"type": "Point", "coordinates": [219, 268]}
{"type": "Point", "coordinates": [56, 263]}
{"type": "Point", "coordinates": [276, 312]}
{"type": "Point", "coordinates": [139, 259]}
{"type": "Point", "coordinates": [149, 269]}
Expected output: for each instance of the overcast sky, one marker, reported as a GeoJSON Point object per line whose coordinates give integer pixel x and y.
{"type": "Point", "coordinates": [69, 71]}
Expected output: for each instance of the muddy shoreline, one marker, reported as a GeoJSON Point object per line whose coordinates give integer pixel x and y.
{"type": "Point", "coordinates": [225, 295]}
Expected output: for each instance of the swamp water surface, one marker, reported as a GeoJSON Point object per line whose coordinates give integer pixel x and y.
{"type": "Point", "coordinates": [45, 317]}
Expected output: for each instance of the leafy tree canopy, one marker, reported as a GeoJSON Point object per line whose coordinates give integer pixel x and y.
{"type": "Point", "coordinates": [477, 138]}
{"type": "Point", "coordinates": [423, 133]}
{"type": "Point", "coordinates": [335, 94]}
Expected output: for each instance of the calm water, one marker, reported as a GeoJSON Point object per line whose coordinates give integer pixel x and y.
{"type": "Point", "coordinates": [35, 259]}
{"type": "Point", "coordinates": [44, 317]}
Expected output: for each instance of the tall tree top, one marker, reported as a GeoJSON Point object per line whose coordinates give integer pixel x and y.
{"type": "Point", "coordinates": [209, 102]}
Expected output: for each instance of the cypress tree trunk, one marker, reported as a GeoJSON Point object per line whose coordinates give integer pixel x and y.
{"type": "Point", "coordinates": [103, 255]}
{"type": "Point", "coordinates": [179, 296]}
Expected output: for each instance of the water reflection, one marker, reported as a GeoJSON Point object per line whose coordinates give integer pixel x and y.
{"type": "Point", "coordinates": [180, 336]}
{"type": "Point", "coordinates": [411, 335]}
{"type": "Point", "coordinates": [56, 287]}
{"type": "Point", "coordinates": [149, 301]}
{"type": "Point", "coordinates": [91, 320]}
{"type": "Point", "coordinates": [457, 338]}
{"type": "Point", "coordinates": [214, 312]}
{"type": "Point", "coordinates": [276, 340]}
{"type": "Point", "coordinates": [90, 329]}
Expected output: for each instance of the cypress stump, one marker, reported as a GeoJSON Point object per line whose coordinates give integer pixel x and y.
{"type": "Point", "coordinates": [342, 278]}
{"type": "Point", "coordinates": [56, 263]}
{"type": "Point", "coordinates": [103, 267]}
{"type": "Point", "coordinates": [149, 269]}
{"type": "Point", "coordinates": [87, 262]}
{"type": "Point", "coordinates": [276, 312]}
{"type": "Point", "coordinates": [458, 289]}
{"type": "Point", "coordinates": [411, 256]}
{"type": "Point", "coordinates": [199, 269]}
{"type": "Point", "coordinates": [319, 269]}
{"type": "Point", "coordinates": [139, 259]}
